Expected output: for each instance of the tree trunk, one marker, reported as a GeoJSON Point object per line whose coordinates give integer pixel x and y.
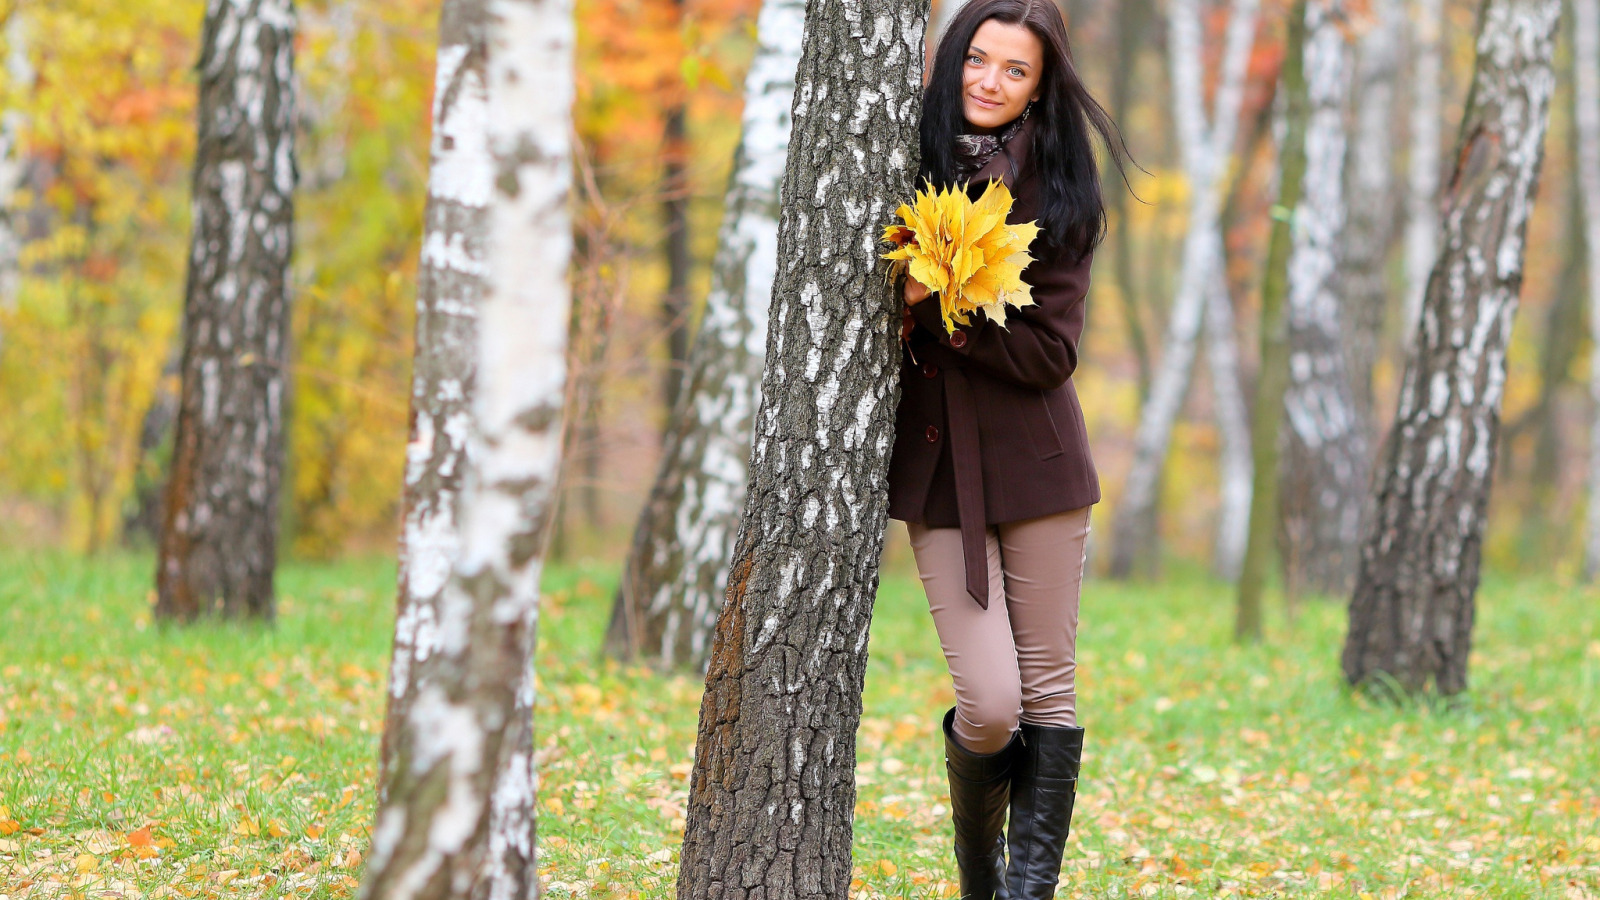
{"type": "Point", "coordinates": [19, 71]}
{"type": "Point", "coordinates": [1206, 150]}
{"type": "Point", "coordinates": [1324, 469]}
{"type": "Point", "coordinates": [773, 791]}
{"type": "Point", "coordinates": [1586, 116]}
{"type": "Point", "coordinates": [1369, 182]}
{"type": "Point", "coordinates": [219, 541]}
{"type": "Point", "coordinates": [1422, 193]}
{"type": "Point", "coordinates": [1233, 428]}
{"type": "Point", "coordinates": [449, 289]}
{"type": "Point", "coordinates": [1411, 615]}
{"type": "Point", "coordinates": [458, 820]}
{"type": "Point", "coordinates": [1267, 419]}
{"type": "Point", "coordinates": [1132, 19]}
{"type": "Point", "coordinates": [676, 574]}
{"type": "Point", "coordinates": [675, 225]}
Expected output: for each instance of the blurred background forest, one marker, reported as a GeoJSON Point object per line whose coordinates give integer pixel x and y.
{"type": "Point", "coordinates": [99, 100]}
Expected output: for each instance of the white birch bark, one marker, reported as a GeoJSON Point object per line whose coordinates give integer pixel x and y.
{"type": "Point", "coordinates": [1422, 192]}
{"type": "Point", "coordinates": [677, 571]}
{"type": "Point", "coordinates": [449, 288]}
{"type": "Point", "coordinates": [458, 821]}
{"type": "Point", "coordinates": [1207, 149]}
{"type": "Point", "coordinates": [1233, 427]}
{"type": "Point", "coordinates": [19, 71]}
{"type": "Point", "coordinates": [1412, 612]}
{"type": "Point", "coordinates": [1369, 181]}
{"type": "Point", "coordinates": [1586, 116]}
{"type": "Point", "coordinates": [1324, 468]}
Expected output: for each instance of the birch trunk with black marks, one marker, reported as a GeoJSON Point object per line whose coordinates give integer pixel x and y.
{"type": "Point", "coordinates": [449, 289]}
{"type": "Point", "coordinates": [1324, 467]}
{"type": "Point", "coordinates": [677, 571]}
{"type": "Point", "coordinates": [1586, 116]}
{"type": "Point", "coordinates": [1412, 612]}
{"type": "Point", "coordinates": [1233, 429]}
{"type": "Point", "coordinates": [1207, 148]}
{"type": "Point", "coordinates": [1373, 206]}
{"type": "Point", "coordinates": [218, 546]}
{"type": "Point", "coordinates": [458, 820]}
{"type": "Point", "coordinates": [1422, 180]}
{"type": "Point", "coordinates": [772, 796]}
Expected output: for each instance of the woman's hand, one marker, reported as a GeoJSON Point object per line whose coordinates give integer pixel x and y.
{"type": "Point", "coordinates": [915, 291]}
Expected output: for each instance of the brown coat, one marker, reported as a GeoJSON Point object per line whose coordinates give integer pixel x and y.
{"type": "Point", "coordinates": [989, 428]}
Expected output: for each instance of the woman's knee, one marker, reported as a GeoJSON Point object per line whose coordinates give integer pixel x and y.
{"type": "Point", "coordinates": [986, 720]}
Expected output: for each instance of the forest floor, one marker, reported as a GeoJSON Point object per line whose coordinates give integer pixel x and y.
{"type": "Point", "coordinates": [137, 761]}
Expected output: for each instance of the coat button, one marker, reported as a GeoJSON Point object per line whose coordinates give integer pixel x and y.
{"type": "Point", "coordinates": [933, 434]}
{"type": "Point", "coordinates": [929, 370]}
{"type": "Point", "coordinates": [958, 340]}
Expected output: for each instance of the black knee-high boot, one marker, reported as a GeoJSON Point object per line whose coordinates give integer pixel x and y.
{"type": "Point", "coordinates": [1044, 783]}
{"type": "Point", "coordinates": [980, 787]}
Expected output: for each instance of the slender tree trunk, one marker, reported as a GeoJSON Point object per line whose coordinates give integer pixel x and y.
{"type": "Point", "coordinates": [1422, 194]}
{"type": "Point", "coordinates": [676, 574]}
{"type": "Point", "coordinates": [1324, 469]}
{"type": "Point", "coordinates": [1586, 116]}
{"type": "Point", "coordinates": [19, 70]}
{"type": "Point", "coordinates": [1206, 150]}
{"type": "Point", "coordinates": [1412, 612]}
{"type": "Point", "coordinates": [1131, 20]}
{"type": "Point", "coordinates": [773, 791]}
{"type": "Point", "coordinates": [1373, 207]}
{"type": "Point", "coordinates": [449, 288]}
{"type": "Point", "coordinates": [219, 541]}
{"type": "Point", "coordinates": [1266, 423]}
{"type": "Point", "coordinates": [458, 820]}
{"type": "Point", "coordinates": [1233, 427]}
{"type": "Point", "coordinates": [675, 224]}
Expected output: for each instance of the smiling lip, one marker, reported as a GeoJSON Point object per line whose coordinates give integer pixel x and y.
{"type": "Point", "coordinates": [986, 104]}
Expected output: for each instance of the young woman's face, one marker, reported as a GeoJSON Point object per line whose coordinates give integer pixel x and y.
{"type": "Point", "coordinates": [1004, 65]}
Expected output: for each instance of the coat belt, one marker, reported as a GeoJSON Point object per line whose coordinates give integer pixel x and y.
{"type": "Point", "coordinates": [961, 415]}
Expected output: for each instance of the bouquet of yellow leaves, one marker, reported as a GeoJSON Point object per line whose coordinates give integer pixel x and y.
{"type": "Point", "coordinates": [965, 251]}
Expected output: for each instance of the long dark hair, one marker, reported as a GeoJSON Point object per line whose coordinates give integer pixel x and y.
{"type": "Point", "coordinates": [1072, 211]}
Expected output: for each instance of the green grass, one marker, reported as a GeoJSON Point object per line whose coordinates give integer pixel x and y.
{"type": "Point", "coordinates": [233, 761]}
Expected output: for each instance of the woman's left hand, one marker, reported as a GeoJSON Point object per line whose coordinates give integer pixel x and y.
{"type": "Point", "coordinates": [915, 291]}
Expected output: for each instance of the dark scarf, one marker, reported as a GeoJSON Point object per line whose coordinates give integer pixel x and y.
{"type": "Point", "coordinates": [973, 151]}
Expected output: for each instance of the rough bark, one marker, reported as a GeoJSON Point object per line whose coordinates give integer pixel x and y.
{"type": "Point", "coordinates": [449, 289]}
{"type": "Point", "coordinates": [1324, 468]}
{"type": "Point", "coordinates": [1373, 203]}
{"type": "Point", "coordinates": [676, 574]}
{"type": "Point", "coordinates": [458, 820]}
{"type": "Point", "coordinates": [773, 791]}
{"type": "Point", "coordinates": [1266, 424]}
{"type": "Point", "coordinates": [1586, 117]}
{"type": "Point", "coordinates": [1412, 612]}
{"type": "Point", "coordinates": [219, 540]}
{"type": "Point", "coordinates": [1206, 151]}
{"type": "Point", "coordinates": [1422, 180]}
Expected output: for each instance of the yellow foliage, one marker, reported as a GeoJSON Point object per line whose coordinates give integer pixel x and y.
{"type": "Point", "coordinates": [964, 251]}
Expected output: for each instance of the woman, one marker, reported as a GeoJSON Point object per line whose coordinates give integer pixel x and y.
{"type": "Point", "coordinates": [991, 468]}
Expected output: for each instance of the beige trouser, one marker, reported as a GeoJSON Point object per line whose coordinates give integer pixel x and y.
{"type": "Point", "coordinates": [1015, 660]}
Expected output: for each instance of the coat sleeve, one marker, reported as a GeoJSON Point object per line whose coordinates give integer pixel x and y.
{"type": "Point", "coordinates": [1038, 346]}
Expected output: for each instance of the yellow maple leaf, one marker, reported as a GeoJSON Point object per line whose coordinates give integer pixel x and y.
{"type": "Point", "coordinates": [964, 251]}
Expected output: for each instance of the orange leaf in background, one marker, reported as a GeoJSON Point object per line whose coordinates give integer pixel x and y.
{"type": "Point", "coordinates": [141, 838]}
{"type": "Point", "coordinates": [9, 826]}
{"type": "Point", "coordinates": [313, 831]}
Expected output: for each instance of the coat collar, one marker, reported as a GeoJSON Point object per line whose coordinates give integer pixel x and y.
{"type": "Point", "coordinates": [1009, 164]}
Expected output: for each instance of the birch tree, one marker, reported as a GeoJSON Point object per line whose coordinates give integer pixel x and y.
{"type": "Point", "coordinates": [772, 795]}
{"type": "Point", "coordinates": [1586, 116]}
{"type": "Point", "coordinates": [1324, 467]}
{"type": "Point", "coordinates": [458, 819]}
{"type": "Point", "coordinates": [676, 574]}
{"type": "Point", "coordinates": [449, 287]}
{"type": "Point", "coordinates": [19, 74]}
{"type": "Point", "coordinates": [1373, 203]}
{"type": "Point", "coordinates": [1207, 149]}
{"type": "Point", "coordinates": [218, 547]}
{"type": "Point", "coordinates": [1412, 612]}
{"type": "Point", "coordinates": [1422, 188]}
